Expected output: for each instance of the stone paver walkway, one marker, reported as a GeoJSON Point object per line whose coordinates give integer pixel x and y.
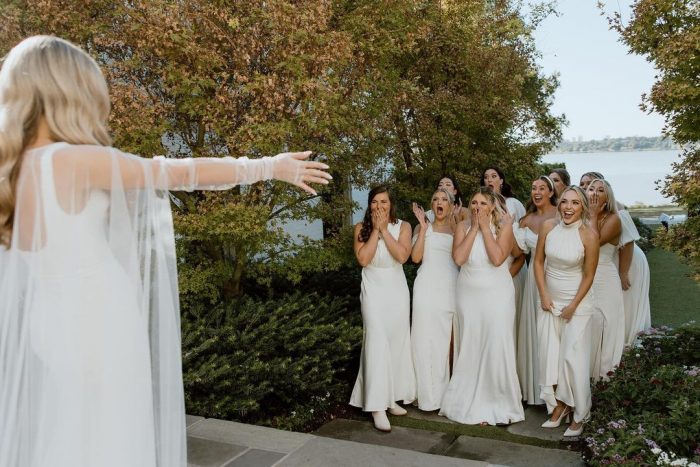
{"type": "Point", "coordinates": [219, 443]}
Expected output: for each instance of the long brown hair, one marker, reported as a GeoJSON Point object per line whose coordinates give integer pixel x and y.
{"type": "Point", "coordinates": [44, 76]}
{"type": "Point", "coordinates": [367, 226]}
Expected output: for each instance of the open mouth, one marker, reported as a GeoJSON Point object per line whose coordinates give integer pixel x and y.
{"type": "Point", "coordinates": [568, 215]}
{"type": "Point", "coordinates": [440, 209]}
{"type": "Point", "coordinates": [537, 198]}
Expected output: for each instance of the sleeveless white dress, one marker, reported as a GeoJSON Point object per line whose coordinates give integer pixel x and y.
{"type": "Point", "coordinates": [433, 313]}
{"type": "Point", "coordinates": [517, 210]}
{"type": "Point", "coordinates": [567, 346]}
{"type": "Point", "coordinates": [636, 298]}
{"type": "Point", "coordinates": [608, 296]}
{"type": "Point", "coordinates": [386, 372]}
{"type": "Point", "coordinates": [484, 385]}
{"type": "Point", "coordinates": [527, 309]}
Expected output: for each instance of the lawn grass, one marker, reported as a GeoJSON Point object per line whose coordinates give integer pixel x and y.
{"type": "Point", "coordinates": [674, 296]}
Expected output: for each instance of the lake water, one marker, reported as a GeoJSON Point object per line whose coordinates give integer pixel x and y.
{"type": "Point", "coordinates": [633, 176]}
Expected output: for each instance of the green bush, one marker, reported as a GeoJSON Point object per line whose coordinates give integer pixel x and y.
{"type": "Point", "coordinates": [282, 362]}
{"type": "Point", "coordinates": [649, 411]}
{"type": "Point", "coordinates": [646, 240]}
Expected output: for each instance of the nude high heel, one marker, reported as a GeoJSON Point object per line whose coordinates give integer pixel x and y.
{"type": "Point", "coordinates": [553, 424]}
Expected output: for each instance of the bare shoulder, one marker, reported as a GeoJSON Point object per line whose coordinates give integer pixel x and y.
{"type": "Point", "coordinates": [588, 235]}
{"type": "Point", "coordinates": [525, 220]}
{"type": "Point", "coordinates": [548, 225]}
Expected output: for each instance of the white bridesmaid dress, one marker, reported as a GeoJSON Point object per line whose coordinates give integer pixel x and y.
{"type": "Point", "coordinates": [526, 322]}
{"type": "Point", "coordinates": [484, 385]}
{"type": "Point", "coordinates": [568, 347]}
{"type": "Point", "coordinates": [433, 313]}
{"type": "Point", "coordinates": [517, 210]}
{"type": "Point", "coordinates": [608, 297]}
{"type": "Point", "coordinates": [386, 368]}
{"type": "Point", "coordinates": [636, 298]}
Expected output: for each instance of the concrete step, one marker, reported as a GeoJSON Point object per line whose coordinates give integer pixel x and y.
{"type": "Point", "coordinates": [450, 445]}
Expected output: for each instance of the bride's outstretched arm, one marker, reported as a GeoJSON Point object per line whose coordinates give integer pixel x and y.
{"type": "Point", "coordinates": [101, 166]}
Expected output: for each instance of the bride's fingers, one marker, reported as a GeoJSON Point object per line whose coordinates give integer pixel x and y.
{"type": "Point", "coordinates": [315, 165]}
{"type": "Point", "coordinates": [300, 155]}
{"type": "Point", "coordinates": [314, 179]}
{"type": "Point", "coordinates": [317, 173]}
{"type": "Point", "coordinates": [306, 188]}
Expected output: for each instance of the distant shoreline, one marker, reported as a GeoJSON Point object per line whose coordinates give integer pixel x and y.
{"type": "Point", "coordinates": [625, 144]}
{"type": "Point", "coordinates": [598, 151]}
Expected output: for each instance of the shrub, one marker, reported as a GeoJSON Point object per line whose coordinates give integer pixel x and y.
{"type": "Point", "coordinates": [282, 362]}
{"type": "Point", "coordinates": [646, 240]}
{"type": "Point", "coordinates": [649, 411]}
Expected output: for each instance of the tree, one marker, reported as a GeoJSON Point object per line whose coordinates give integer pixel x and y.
{"type": "Point", "coordinates": [460, 88]}
{"type": "Point", "coordinates": [402, 90]}
{"type": "Point", "coordinates": [667, 33]}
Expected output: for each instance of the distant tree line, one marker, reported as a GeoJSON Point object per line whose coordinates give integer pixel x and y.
{"type": "Point", "coordinates": [628, 143]}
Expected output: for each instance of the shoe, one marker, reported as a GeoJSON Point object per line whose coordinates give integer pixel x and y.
{"type": "Point", "coordinates": [553, 424]}
{"type": "Point", "coordinates": [381, 422]}
{"type": "Point", "coordinates": [576, 432]}
{"type": "Point", "coordinates": [398, 411]}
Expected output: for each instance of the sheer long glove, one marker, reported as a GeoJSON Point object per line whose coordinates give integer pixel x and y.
{"type": "Point", "coordinates": [223, 173]}
{"type": "Point", "coordinates": [292, 167]}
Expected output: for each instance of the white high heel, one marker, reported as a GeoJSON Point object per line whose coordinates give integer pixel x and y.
{"type": "Point", "coordinates": [579, 430]}
{"type": "Point", "coordinates": [553, 424]}
{"type": "Point", "coordinates": [398, 411]}
{"type": "Point", "coordinates": [381, 421]}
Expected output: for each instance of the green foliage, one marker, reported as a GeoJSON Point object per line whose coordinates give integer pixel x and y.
{"type": "Point", "coordinates": [667, 33]}
{"type": "Point", "coordinates": [646, 235]}
{"type": "Point", "coordinates": [281, 362]}
{"type": "Point", "coordinates": [651, 405]}
{"type": "Point", "coordinates": [683, 239]}
{"type": "Point", "coordinates": [403, 91]}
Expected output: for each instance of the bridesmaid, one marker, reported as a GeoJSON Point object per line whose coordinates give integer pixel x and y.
{"type": "Point", "coordinates": [606, 286]}
{"type": "Point", "coordinates": [493, 177]}
{"type": "Point", "coordinates": [541, 207]}
{"type": "Point", "coordinates": [561, 179]}
{"type": "Point", "coordinates": [633, 270]}
{"type": "Point", "coordinates": [565, 264]}
{"type": "Point", "coordinates": [449, 183]}
{"type": "Point", "coordinates": [484, 386]}
{"type": "Point", "coordinates": [433, 300]}
{"type": "Point", "coordinates": [587, 178]}
{"type": "Point", "coordinates": [382, 244]}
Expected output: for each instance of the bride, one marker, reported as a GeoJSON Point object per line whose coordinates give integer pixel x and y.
{"type": "Point", "coordinates": [90, 370]}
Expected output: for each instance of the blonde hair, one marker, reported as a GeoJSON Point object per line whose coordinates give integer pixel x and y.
{"type": "Point", "coordinates": [585, 214]}
{"type": "Point", "coordinates": [450, 196]}
{"type": "Point", "coordinates": [44, 76]}
{"type": "Point", "coordinates": [496, 214]}
{"type": "Point", "coordinates": [610, 204]}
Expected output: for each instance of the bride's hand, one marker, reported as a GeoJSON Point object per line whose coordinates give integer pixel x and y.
{"type": "Point", "coordinates": [292, 167]}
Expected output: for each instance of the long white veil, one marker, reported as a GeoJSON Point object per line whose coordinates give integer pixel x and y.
{"type": "Point", "coordinates": [90, 364]}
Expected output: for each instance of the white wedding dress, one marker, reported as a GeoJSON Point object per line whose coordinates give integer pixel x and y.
{"type": "Point", "coordinates": [386, 372]}
{"type": "Point", "coordinates": [484, 385]}
{"type": "Point", "coordinates": [433, 312]}
{"type": "Point", "coordinates": [90, 357]}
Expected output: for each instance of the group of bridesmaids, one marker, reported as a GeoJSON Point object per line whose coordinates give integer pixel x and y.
{"type": "Point", "coordinates": [488, 331]}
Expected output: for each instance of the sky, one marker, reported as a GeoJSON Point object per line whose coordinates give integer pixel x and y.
{"type": "Point", "coordinates": [600, 83]}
